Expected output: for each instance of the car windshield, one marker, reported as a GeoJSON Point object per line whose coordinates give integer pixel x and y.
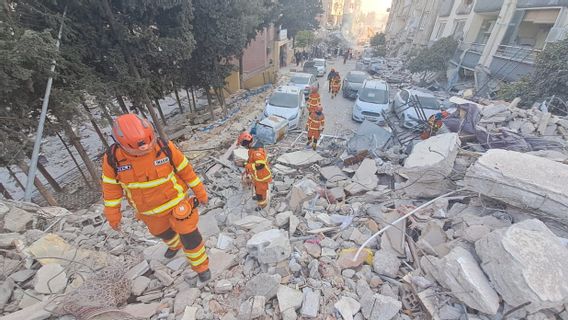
{"type": "Point", "coordinates": [319, 63]}
{"type": "Point", "coordinates": [373, 95]}
{"type": "Point", "coordinates": [283, 100]}
{"type": "Point", "coordinates": [356, 78]}
{"type": "Point", "coordinates": [309, 64]}
{"type": "Point", "coordinates": [299, 80]}
{"type": "Point", "coordinates": [429, 103]}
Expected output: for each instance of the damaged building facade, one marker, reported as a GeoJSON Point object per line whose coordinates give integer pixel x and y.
{"type": "Point", "coordinates": [498, 40]}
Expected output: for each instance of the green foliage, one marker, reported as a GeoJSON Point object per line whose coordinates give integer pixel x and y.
{"type": "Point", "coordinates": [435, 58]}
{"type": "Point", "coordinates": [550, 77]}
{"type": "Point", "coordinates": [304, 39]}
{"type": "Point", "coordinates": [378, 39]}
{"type": "Point", "coordinates": [297, 15]}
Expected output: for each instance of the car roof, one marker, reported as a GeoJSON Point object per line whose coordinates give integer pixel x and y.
{"type": "Point", "coordinates": [419, 93]}
{"type": "Point", "coordinates": [362, 73]}
{"type": "Point", "coordinates": [375, 84]}
{"type": "Point", "coordinates": [319, 59]}
{"type": "Point", "coordinates": [288, 89]}
{"type": "Point", "coordinates": [301, 74]}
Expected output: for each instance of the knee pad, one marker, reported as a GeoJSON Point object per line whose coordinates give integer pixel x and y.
{"type": "Point", "coordinates": [191, 240]}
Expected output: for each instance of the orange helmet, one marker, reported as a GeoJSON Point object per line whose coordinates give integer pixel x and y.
{"type": "Point", "coordinates": [245, 139]}
{"type": "Point", "coordinates": [134, 134]}
{"type": "Point", "coordinates": [314, 89]}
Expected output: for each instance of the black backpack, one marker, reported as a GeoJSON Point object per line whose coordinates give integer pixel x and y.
{"type": "Point", "coordinates": [113, 162]}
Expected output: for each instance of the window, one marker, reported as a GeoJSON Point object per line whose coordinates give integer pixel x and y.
{"type": "Point", "coordinates": [458, 29]}
{"type": "Point", "coordinates": [440, 31]}
{"type": "Point", "coordinates": [283, 100]}
{"type": "Point", "coordinates": [374, 95]}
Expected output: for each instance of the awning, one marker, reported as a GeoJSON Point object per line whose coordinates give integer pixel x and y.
{"type": "Point", "coordinates": [542, 16]}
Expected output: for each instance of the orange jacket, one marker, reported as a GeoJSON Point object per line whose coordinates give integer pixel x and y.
{"type": "Point", "coordinates": [149, 182]}
{"type": "Point", "coordinates": [315, 122]}
{"type": "Point", "coordinates": [314, 100]}
{"type": "Point", "coordinates": [257, 165]}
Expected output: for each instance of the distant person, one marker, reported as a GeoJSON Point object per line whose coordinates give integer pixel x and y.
{"type": "Point", "coordinates": [335, 85]}
{"type": "Point", "coordinates": [330, 77]}
{"type": "Point", "coordinates": [298, 57]}
{"type": "Point", "coordinates": [345, 56]}
{"type": "Point", "coordinates": [314, 126]}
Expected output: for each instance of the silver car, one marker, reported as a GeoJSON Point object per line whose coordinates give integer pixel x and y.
{"type": "Point", "coordinates": [352, 83]}
{"type": "Point", "coordinates": [407, 114]}
{"type": "Point", "coordinates": [304, 82]}
{"type": "Point", "coordinates": [321, 65]}
{"type": "Point", "coordinates": [372, 100]}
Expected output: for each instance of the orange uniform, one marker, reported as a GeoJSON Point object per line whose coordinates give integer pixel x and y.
{"type": "Point", "coordinates": [257, 167]}
{"type": "Point", "coordinates": [314, 101]}
{"type": "Point", "coordinates": [335, 86]}
{"type": "Point", "coordinates": [314, 125]}
{"type": "Point", "coordinates": [155, 185]}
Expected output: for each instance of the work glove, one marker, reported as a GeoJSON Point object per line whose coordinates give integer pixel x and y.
{"type": "Point", "coordinates": [114, 220]}
{"type": "Point", "coordinates": [203, 199]}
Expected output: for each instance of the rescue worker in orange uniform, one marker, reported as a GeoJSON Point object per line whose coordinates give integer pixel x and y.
{"type": "Point", "coordinates": [314, 100]}
{"type": "Point", "coordinates": [314, 125]}
{"type": "Point", "coordinates": [155, 177]}
{"type": "Point", "coordinates": [257, 169]}
{"type": "Point", "coordinates": [335, 85]}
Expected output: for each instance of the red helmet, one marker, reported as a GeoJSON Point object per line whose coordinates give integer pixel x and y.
{"type": "Point", "coordinates": [134, 134]}
{"type": "Point", "coordinates": [245, 139]}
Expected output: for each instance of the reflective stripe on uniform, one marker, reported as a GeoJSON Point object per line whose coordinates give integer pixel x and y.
{"type": "Point", "coordinates": [196, 254]}
{"type": "Point", "coordinates": [198, 262]}
{"type": "Point", "coordinates": [255, 175]}
{"type": "Point", "coordinates": [113, 202]}
{"type": "Point", "coordinates": [193, 183]}
{"type": "Point", "coordinates": [109, 180]}
{"type": "Point", "coordinates": [182, 165]}
{"type": "Point", "coordinates": [170, 204]}
{"type": "Point", "coordinates": [148, 184]}
{"type": "Point", "coordinates": [173, 241]}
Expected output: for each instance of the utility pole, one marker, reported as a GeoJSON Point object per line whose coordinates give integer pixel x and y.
{"type": "Point", "coordinates": [39, 133]}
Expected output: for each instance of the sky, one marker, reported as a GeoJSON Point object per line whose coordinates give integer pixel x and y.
{"type": "Point", "coordinates": [376, 5]}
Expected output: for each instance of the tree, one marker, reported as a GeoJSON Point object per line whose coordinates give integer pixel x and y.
{"type": "Point", "coordinates": [297, 15]}
{"type": "Point", "coordinates": [435, 58]}
{"type": "Point", "coordinates": [378, 43]}
{"type": "Point", "coordinates": [305, 39]}
{"type": "Point", "coordinates": [549, 78]}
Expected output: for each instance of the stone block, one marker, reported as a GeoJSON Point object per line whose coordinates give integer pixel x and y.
{"type": "Point", "coordinates": [271, 246]}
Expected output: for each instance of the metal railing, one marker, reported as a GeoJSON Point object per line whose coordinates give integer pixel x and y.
{"type": "Point", "coordinates": [472, 46]}
{"type": "Point", "coordinates": [516, 53]}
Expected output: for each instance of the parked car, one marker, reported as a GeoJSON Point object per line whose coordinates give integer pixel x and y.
{"type": "Point", "coordinates": [303, 81]}
{"type": "Point", "coordinates": [310, 67]}
{"type": "Point", "coordinates": [407, 114]}
{"type": "Point", "coordinates": [352, 83]}
{"type": "Point", "coordinates": [372, 99]}
{"type": "Point", "coordinates": [286, 102]}
{"type": "Point", "coordinates": [321, 65]}
{"type": "Point", "coordinates": [376, 65]}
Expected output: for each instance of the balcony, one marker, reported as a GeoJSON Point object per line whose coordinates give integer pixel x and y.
{"type": "Point", "coordinates": [472, 54]}
{"type": "Point", "coordinates": [520, 54]}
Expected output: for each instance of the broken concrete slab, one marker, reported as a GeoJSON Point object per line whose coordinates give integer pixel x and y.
{"type": "Point", "coordinates": [142, 310]}
{"type": "Point", "coordinates": [139, 285]}
{"type": "Point", "coordinates": [310, 304]}
{"type": "Point", "coordinates": [347, 307]}
{"type": "Point", "coordinates": [300, 158]}
{"type": "Point", "coordinates": [429, 164]}
{"type": "Point", "coordinates": [224, 241]}
{"type": "Point", "coordinates": [208, 226]}
{"type": "Point", "coordinates": [302, 191]}
{"type": "Point", "coordinates": [521, 180]}
{"type": "Point", "coordinates": [38, 311]}
{"type": "Point", "coordinates": [223, 286]}
{"type": "Point", "coordinates": [138, 270]}
{"type": "Point", "coordinates": [190, 313]}
{"type": "Point", "coordinates": [220, 261]}
{"type": "Point", "coordinates": [393, 238]}
{"type": "Point", "coordinates": [459, 272]}
{"type": "Point", "coordinates": [17, 220]}
{"type": "Point", "coordinates": [263, 284]}
{"type": "Point", "coordinates": [432, 239]}
{"type": "Point", "coordinates": [386, 263]}
{"type": "Point", "coordinates": [185, 297]}
{"type": "Point", "coordinates": [50, 278]}
{"type": "Point", "coordinates": [6, 289]}
{"type": "Point", "coordinates": [288, 298]}
{"type": "Point", "coordinates": [364, 179]}
{"type": "Point", "coordinates": [271, 246]}
{"type": "Point", "coordinates": [379, 307]}
{"type": "Point", "coordinates": [22, 275]}
{"type": "Point", "coordinates": [8, 240]}
{"type": "Point", "coordinates": [283, 218]}
{"type": "Point", "coordinates": [526, 263]}
{"type": "Point", "coordinates": [252, 308]}
{"type": "Point", "coordinates": [332, 174]}
{"type": "Point", "coordinates": [250, 222]}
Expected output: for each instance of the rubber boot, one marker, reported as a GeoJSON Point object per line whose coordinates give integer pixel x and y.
{"type": "Point", "coordinates": [170, 253]}
{"type": "Point", "coordinates": [204, 276]}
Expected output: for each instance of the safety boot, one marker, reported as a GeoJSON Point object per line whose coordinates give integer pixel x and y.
{"type": "Point", "coordinates": [170, 253]}
{"type": "Point", "coordinates": [204, 276]}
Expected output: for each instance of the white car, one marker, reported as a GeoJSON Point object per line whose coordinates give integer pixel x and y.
{"type": "Point", "coordinates": [372, 100]}
{"type": "Point", "coordinates": [407, 114]}
{"type": "Point", "coordinates": [304, 82]}
{"type": "Point", "coordinates": [321, 65]}
{"type": "Point", "coordinates": [286, 102]}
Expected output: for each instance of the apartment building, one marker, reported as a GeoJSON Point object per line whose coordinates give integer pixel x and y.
{"type": "Point", "coordinates": [499, 39]}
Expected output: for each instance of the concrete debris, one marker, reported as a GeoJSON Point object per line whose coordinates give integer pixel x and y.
{"type": "Point", "coordinates": [271, 246]}
{"type": "Point", "coordinates": [332, 174]}
{"type": "Point", "coordinates": [288, 298]}
{"type": "Point", "coordinates": [51, 278]}
{"type": "Point", "coordinates": [139, 285]}
{"type": "Point", "coordinates": [302, 191]}
{"type": "Point", "coordinates": [252, 308]}
{"type": "Point", "coordinates": [379, 307]}
{"type": "Point", "coordinates": [263, 285]}
{"type": "Point", "coordinates": [190, 313]}
{"type": "Point", "coordinates": [459, 272]}
{"type": "Point", "coordinates": [302, 158]}
{"type": "Point", "coordinates": [17, 220]}
{"type": "Point", "coordinates": [310, 304]}
{"type": "Point", "coordinates": [138, 270]}
{"type": "Point", "coordinates": [8, 240]}
{"type": "Point", "coordinates": [223, 286]}
{"type": "Point", "coordinates": [142, 310]}
{"type": "Point", "coordinates": [521, 180]}
{"type": "Point", "coordinates": [6, 289]}
{"type": "Point", "coordinates": [208, 226]}
{"type": "Point", "coordinates": [526, 263]}
{"type": "Point", "coordinates": [386, 263]}
{"type": "Point", "coordinates": [347, 307]}
{"type": "Point", "coordinates": [364, 178]}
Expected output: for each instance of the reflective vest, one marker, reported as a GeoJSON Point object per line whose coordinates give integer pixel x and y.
{"type": "Point", "coordinates": [315, 121]}
{"type": "Point", "coordinates": [256, 158]}
{"type": "Point", "coordinates": [149, 182]}
{"type": "Point", "coordinates": [314, 100]}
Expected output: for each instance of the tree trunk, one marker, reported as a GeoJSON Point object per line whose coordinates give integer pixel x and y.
{"type": "Point", "coordinates": [122, 105]}
{"type": "Point", "coordinates": [96, 126]}
{"type": "Point", "coordinates": [106, 113]}
{"type": "Point", "coordinates": [87, 182]}
{"type": "Point", "coordinates": [132, 67]}
{"type": "Point", "coordinates": [4, 192]}
{"type": "Point", "coordinates": [52, 182]}
{"type": "Point", "coordinates": [210, 103]}
{"type": "Point", "coordinates": [160, 111]}
{"type": "Point", "coordinates": [193, 99]}
{"type": "Point", "coordinates": [13, 175]}
{"type": "Point", "coordinates": [45, 193]}
{"type": "Point", "coordinates": [76, 142]}
{"type": "Point", "coordinates": [241, 68]}
{"type": "Point", "coordinates": [189, 100]}
{"type": "Point", "coordinates": [177, 97]}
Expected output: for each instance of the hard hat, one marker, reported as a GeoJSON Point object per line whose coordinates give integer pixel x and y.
{"type": "Point", "coordinates": [134, 134]}
{"type": "Point", "coordinates": [314, 89]}
{"type": "Point", "coordinates": [245, 139]}
{"type": "Point", "coordinates": [319, 108]}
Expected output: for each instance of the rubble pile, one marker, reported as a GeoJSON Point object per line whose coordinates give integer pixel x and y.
{"type": "Point", "coordinates": [448, 233]}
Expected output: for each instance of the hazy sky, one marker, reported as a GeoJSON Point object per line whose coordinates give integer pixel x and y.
{"type": "Point", "coordinates": [376, 5]}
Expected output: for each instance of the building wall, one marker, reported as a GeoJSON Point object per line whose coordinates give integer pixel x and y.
{"type": "Point", "coordinates": [260, 59]}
